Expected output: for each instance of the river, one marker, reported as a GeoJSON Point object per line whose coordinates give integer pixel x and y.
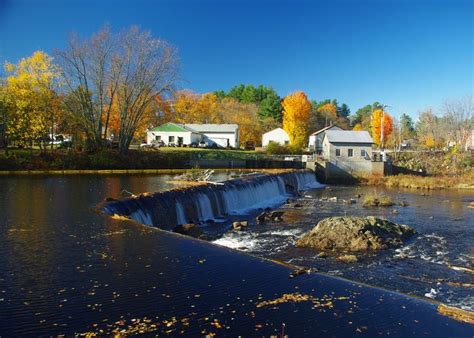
{"type": "Point", "coordinates": [65, 266]}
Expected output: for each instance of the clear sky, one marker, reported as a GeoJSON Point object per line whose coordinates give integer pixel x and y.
{"type": "Point", "coordinates": [410, 54]}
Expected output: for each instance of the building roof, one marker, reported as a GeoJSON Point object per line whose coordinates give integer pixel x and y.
{"type": "Point", "coordinates": [197, 128]}
{"type": "Point", "coordinates": [275, 131]}
{"type": "Point", "coordinates": [170, 126]}
{"type": "Point", "coordinates": [348, 136]}
{"type": "Point", "coordinates": [326, 128]}
{"type": "Point", "coordinates": [213, 128]}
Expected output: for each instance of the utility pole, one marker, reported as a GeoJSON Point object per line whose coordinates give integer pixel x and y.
{"type": "Point", "coordinates": [382, 152]}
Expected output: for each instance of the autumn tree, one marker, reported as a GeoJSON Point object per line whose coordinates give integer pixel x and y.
{"type": "Point", "coordinates": [31, 103]}
{"type": "Point", "coordinates": [91, 72]}
{"type": "Point", "coordinates": [382, 125]}
{"type": "Point", "coordinates": [130, 67]}
{"type": "Point", "coordinates": [363, 115]}
{"type": "Point", "coordinates": [266, 99]}
{"type": "Point", "coordinates": [429, 130]}
{"type": "Point", "coordinates": [189, 107]}
{"type": "Point", "coordinates": [458, 115]}
{"type": "Point", "coordinates": [3, 116]}
{"type": "Point", "coordinates": [296, 112]}
{"type": "Point", "coordinates": [243, 114]}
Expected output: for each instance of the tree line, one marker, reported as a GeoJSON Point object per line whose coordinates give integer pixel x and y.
{"type": "Point", "coordinates": [114, 86]}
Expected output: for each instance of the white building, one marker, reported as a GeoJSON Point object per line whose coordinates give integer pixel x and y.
{"type": "Point", "coordinates": [316, 139]}
{"type": "Point", "coordinates": [277, 135]}
{"type": "Point", "coordinates": [220, 135]}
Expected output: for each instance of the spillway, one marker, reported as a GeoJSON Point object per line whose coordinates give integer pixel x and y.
{"type": "Point", "coordinates": [207, 202]}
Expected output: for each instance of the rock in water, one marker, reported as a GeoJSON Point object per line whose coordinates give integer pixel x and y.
{"type": "Point", "coordinates": [355, 234]}
{"type": "Point", "coordinates": [190, 230]}
{"type": "Point", "coordinates": [239, 225]}
{"type": "Point", "coordinates": [348, 258]}
{"type": "Point", "coordinates": [260, 219]}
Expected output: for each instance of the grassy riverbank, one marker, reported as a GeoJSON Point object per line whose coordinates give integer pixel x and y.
{"type": "Point", "coordinates": [463, 181]}
{"type": "Point", "coordinates": [165, 158]}
{"type": "Point", "coordinates": [429, 171]}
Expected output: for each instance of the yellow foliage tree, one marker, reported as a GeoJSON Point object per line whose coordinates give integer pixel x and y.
{"type": "Point", "coordinates": [296, 113]}
{"type": "Point", "coordinates": [33, 105]}
{"type": "Point", "coordinates": [243, 114]}
{"type": "Point", "coordinates": [357, 127]}
{"type": "Point", "coordinates": [190, 107]}
{"type": "Point", "coordinates": [377, 126]}
{"type": "Point", "coordinates": [328, 112]}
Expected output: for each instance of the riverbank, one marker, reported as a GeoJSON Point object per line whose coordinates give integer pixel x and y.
{"type": "Point", "coordinates": [135, 161]}
{"type": "Point", "coordinates": [461, 181]}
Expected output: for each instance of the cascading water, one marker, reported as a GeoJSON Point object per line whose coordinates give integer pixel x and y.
{"type": "Point", "coordinates": [203, 203]}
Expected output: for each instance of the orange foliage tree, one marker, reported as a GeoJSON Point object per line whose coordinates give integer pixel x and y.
{"type": "Point", "coordinates": [243, 114]}
{"type": "Point", "coordinates": [149, 118]}
{"type": "Point", "coordinates": [190, 107]}
{"type": "Point", "coordinates": [377, 126]}
{"type": "Point", "coordinates": [296, 113]}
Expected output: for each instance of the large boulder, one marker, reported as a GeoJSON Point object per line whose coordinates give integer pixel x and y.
{"type": "Point", "coordinates": [355, 234]}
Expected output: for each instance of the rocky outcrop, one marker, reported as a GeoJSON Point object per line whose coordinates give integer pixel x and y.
{"type": "Point", "coordinates": [355, 234]}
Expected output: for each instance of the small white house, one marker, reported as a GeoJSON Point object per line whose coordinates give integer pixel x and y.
{"type": "Point", "coordinates": [277, 135]}
{"type": "Point", "coordinates": [220, 135]}
{"type": "Point", "coordinates": [316, 139]}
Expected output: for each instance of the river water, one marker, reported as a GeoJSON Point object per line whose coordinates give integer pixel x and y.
{"type": "Point", "coordinates": [62, 263]}
{"type": "Point", "coordinates": [427, 266]}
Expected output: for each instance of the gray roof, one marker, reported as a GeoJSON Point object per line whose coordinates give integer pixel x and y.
{"type": "Point", "coordinates": [212, 128]}
{"type": "Point", "coordinates": [335, 127]}
{"type": "Point", "coordinates": [348, 136]}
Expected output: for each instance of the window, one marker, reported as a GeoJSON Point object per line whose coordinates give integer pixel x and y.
{"type": "Point", "coordinates": [362, 153]}
{"type": "Point", "coordinates": [350, 152]}
{"type": "Point", "coordinates": [171, 139]}
{"type": "Point", "coordinates": [338, 152]}
{"type": "Point", "coordinates": [158, 138]}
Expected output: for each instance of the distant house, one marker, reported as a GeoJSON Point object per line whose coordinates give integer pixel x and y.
{"type": "Point", "coordinates": [316, 139]}
{"type": "Point", "coordinates": [174, 134]}
{"type": "Point", "coordinates": [349, 151]}
{"type": "Point", "coordinates": [277, 135]}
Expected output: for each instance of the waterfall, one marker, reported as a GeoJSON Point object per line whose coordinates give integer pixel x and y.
{"type": "Point", "coordinates": [202, 203]}
{"type": "Point", "coordinates": [180, 216]}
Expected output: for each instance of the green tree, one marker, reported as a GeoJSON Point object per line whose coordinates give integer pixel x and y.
{"type": "Point", "coordinates": [407, 127]}
{"type": "Point", "coordinates": [270, 107]}
{"type": "Point", "coordinates": [343, 111]}
{"type": "Point", "coordinates": [236, 92]}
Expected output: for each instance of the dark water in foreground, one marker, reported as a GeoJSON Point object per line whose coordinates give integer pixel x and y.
{"type": "Point", "coordinates": [66, 269]}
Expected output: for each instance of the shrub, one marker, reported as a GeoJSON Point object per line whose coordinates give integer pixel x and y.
{"type": "Point", "coordinates": [375, 200]}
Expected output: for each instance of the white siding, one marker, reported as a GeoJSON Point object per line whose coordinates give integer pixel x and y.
{"type": "Point", "coordinates": [224, 139]}
{"type": "Point", "coordinates": [165, 135]}
{"type": "Point", "coordinates": [276, 135]}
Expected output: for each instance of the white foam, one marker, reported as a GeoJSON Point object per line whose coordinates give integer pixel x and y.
{"type": "Point", "coordinates": [432, 294]}
{"type": "Point", "coordinates": [242, 242]}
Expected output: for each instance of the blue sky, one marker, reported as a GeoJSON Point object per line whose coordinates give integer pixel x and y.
{"type": "Point", "coordinates": [411, 54]}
